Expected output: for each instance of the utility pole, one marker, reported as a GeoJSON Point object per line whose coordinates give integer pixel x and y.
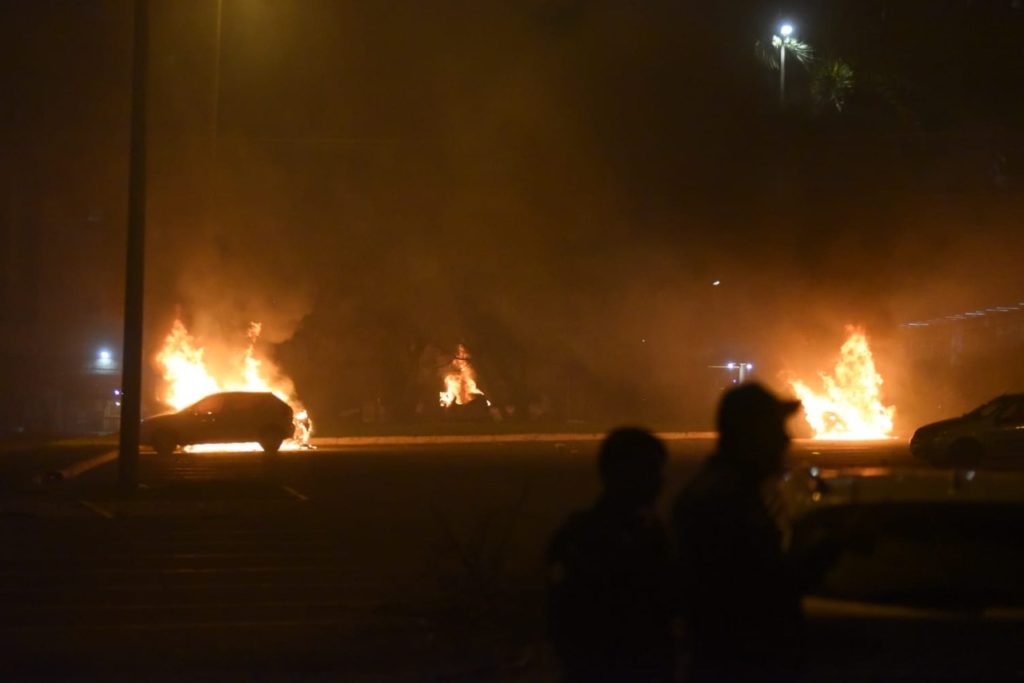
{"type": "Point", "coordinates": [215, 105]}
{"type": "Point", "coordinates": [785, 31]}
{"type": "Point", "coordinates": [782, 72]}
{"type": "Point", "coordinates": [135, 252]}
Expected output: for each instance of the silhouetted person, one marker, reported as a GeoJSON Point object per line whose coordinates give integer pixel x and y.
{"type": "Point", "coordinates": [740, 593]}
{"type": "Point", "coordinates": [610, 572]}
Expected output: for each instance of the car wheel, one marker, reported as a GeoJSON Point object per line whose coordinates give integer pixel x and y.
{"type": "Point", "coordinates": [270, 442]}
{"type": "Point", "coordinates": [164, 443]}
{"type": "Point", "coordinates": [966, 453]}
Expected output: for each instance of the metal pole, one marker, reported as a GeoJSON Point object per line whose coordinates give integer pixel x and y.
{"type": "Point", "coordinates": [782, 71]}
{"type": "Point", "coordinates": [131, 361]}
{"type": "Point", "coordinates": [215, 109]}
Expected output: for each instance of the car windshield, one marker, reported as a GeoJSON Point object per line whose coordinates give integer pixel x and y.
{"type": "Point", "coordinates": [985, 410]}
{"type": "Point", "coordinates": [941, 555]}
{"type": "Point", "coordinates": [210, 404]}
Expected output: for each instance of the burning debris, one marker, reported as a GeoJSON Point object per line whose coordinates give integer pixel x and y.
{"type": "Point", "coordinates": [188, 378]}
{"type": "Point", "coordinates": [460, 387]}
{"type": "Point", "coordinates": [850, 406]}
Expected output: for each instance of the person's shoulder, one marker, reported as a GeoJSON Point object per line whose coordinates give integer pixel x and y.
{"type": "Point", "coordinates": [712, 481]}
{"type": "Point", "coordinates": [717, 493]}
{"type": "Point", "coordinates": [574, 528]}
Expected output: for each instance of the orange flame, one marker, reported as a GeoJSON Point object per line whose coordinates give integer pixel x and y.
{"type": "Point", "coordinates": [460, 385]}
{"type": "Point", "coordinates": [850, 406]}
{"type": "Point", "coordinates": [188, 379]}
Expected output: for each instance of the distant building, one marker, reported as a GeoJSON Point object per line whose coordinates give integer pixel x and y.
{"type": "Point", "coordinates": [963, 358]}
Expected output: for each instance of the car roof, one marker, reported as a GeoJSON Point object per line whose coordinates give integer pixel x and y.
{"type": "Point", "coordinates": [813, 488]}
{"type": "Point", "coordinates": [1002, 397]}
{"type": "Point", "coordinates": [244, 396]}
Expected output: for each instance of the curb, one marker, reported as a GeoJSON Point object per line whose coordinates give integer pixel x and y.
{"type": "Point", "coordinates": [487, 438]}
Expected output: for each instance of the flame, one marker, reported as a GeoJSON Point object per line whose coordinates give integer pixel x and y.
{"type": "Point", "coordinates": [850, 407]}
{"type": "Point", "coordinates": [187, 378]}
{"type": "Point", "coordinates": [460, 385]}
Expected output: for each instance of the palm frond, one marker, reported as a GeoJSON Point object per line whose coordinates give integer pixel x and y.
{"type": "Point", "coordinates": [803, 52]}
{"type": "Point", "coordinates": [768, 53]}
{"type": "Point", "coordinates": [832, 81]}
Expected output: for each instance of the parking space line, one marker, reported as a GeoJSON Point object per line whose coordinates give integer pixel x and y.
{"type": "Point", "coordinates": [295, 493]}
{"type": "Point", "coordinates": [86, 465]}
{"type": "Point", "coordinates": [98, 509]}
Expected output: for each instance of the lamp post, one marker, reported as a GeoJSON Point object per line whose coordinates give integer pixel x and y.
{"type": "Point", "coordinates": [135, 251]}
{"type": "Point", "coordinates": [215, 105]}
{"type": "Point", "coordinates": [785, 31]}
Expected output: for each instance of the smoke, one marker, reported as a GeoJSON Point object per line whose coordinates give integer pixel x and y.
{"type": "Point", "coordinates": [556, 185]}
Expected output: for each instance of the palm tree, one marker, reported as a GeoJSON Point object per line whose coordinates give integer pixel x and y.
{"type": "Point", "coordinates": [774, 56]}
{"type": "Point", "coordinates": [831, 83]}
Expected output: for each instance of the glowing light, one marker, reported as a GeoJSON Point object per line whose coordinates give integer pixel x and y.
{"type": "Point", "coordinates": [716, 283]}
{"type": "Point", "coordinates": [786, 30]}
{"type": "Point", "coordinates": [849, 406]}
{"type": "Point", "coordinates": [187, 378]}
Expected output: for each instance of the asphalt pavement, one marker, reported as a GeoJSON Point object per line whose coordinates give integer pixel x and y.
{"type": "Point", "coordinates": [371, 562]}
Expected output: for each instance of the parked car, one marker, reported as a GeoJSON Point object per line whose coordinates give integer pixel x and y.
{"type": "Point", "coordinates": [227, 417]}
{"type": "Point", "coordinates": [926, 585]}
{"type": "Point", "coordinates": [989, 434]}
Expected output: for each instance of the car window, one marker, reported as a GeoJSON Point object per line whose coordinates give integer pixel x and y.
{"type": "Point", "coordinates": [989, 409]}
{"type": "Point", "coordinates": [210, 404]}
{"type": "Point", "coordinates": [236, 402]}
{"type": "Point", "coordinates": [244, 401]}
{"type": "Point", "coordinates": [1012, 411]}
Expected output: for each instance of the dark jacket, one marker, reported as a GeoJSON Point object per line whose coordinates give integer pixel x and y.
{"type": "Point", "coordinates": [609, 608]}
{"type": "Point", "coordinates": [741, 593]}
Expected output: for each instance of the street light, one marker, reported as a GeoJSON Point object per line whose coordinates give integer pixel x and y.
{"type": "Point", "coordinates": [741, 368]}
{"type": "Point", "coordinates": [783, 41]}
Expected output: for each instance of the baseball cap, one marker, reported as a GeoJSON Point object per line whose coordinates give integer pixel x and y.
{"type": "Point", "coordinates": [750, 403]}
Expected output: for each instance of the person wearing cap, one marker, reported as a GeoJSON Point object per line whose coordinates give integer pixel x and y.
{"type": "Point", "coordinates": [610, 571]}
{"type": "Point", "coordinates": [740, 592]}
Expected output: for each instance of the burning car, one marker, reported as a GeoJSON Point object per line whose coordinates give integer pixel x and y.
{"type": "Point", "coordinates": [993, 429]}
{"type": "Point", "coordinates": [227, 417]}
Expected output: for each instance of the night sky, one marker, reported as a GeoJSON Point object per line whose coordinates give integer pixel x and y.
{"type": "Point", "coordinates": [555, 183]}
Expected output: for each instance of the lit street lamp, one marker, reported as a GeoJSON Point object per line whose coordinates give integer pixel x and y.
{"type": "Point", "coordinates": [786, 42]}
{"type": "Point", "coordinates": [786, 30]}
{"type": "Point", "coordinates": [741, 368]}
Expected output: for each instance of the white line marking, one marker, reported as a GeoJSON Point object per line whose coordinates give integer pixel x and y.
{"type": "Point", "coordinates": [86, 465]}
{"type": "Point", "coordinates": [99, 510]}
{"type": "Point", "coordinates": [295, 493]}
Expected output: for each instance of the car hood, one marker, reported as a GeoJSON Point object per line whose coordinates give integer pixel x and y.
{"type": "Point", "coordinates": [935, 427]}
{"type": "Point", "coordinates": [158, 419]}
{"type": "Point", "coordinates": [159, 416]}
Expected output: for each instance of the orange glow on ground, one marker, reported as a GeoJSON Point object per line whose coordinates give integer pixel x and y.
{"type": "Point", "coordinates": [241, 447]}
